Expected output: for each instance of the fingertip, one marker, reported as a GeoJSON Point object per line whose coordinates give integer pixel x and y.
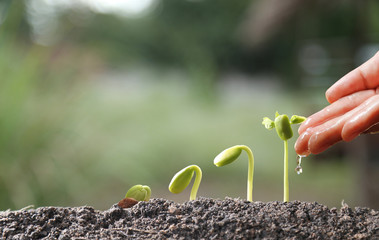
{"type": "Point", "coordinates": [330, 95]}
{"type": "Point", "coordinates": [303, 127]}
{"type": "Point", "coordinates": [301, 145]}
{"type": "Point", "coordinates": [304, 153]}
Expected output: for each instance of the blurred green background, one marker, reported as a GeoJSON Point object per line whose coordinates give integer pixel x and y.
{"type": "Point", "coordinates": [97, 96]}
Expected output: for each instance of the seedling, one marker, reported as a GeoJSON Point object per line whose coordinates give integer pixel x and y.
{"type": "Point", "coordinates": [230, 155]}
{"type": "Point", "coordinates": [182, 178]}
{"type": "Point", "coordinates": [139, 193]}
{"type": "Point", "coordinates": [282, 124]}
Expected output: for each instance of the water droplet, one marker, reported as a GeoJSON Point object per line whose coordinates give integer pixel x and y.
{"type": "Point", "coordinates": [298, 168]}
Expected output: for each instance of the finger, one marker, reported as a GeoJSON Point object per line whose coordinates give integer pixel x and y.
{"type": "Point", "coordinates": [330, 132]}
{"type": "Point", "coordinates": [366, 117]}
{"type": "Point", "coordinates": [317, 139]}
{"type": "Point", "coordinates": [364, 77]}
{"type": "Point", "coordinates": [301, 145]}
{"type": "Point", "coordinates": [336, 109]}
{"type": "Point", "coordinates": [326, 135]}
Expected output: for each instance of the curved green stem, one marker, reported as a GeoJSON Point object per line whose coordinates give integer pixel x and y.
{"type": "Point", "coordinates": [286, 185]}
{"type": "Point", "coordinates": [196, 183]}
{"type": "Point", "coordinates": [250, 172]}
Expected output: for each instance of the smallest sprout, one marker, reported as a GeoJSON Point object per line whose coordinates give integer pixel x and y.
{"type": "Point", "coordinates": [139, 193]}
{"type": "Point", "coordinates": [182, 178]}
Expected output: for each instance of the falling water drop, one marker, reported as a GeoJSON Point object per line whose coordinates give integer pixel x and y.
{"type": "Point", "coordinates": [298, 168]}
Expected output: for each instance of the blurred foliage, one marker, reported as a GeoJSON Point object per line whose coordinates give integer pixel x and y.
{"type": "Point", "coordinates": [204, 38]}
{"type": "Point", "coordinates": [115, 101]}
{"type": "Point", "coordinates": [175, 34]}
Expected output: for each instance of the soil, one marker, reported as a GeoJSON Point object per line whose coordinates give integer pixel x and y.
{"type": "Point", "coordinates": [204, 218]}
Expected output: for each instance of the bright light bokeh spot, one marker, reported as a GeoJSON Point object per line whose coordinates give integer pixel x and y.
{"type": "Point", "coordinates": [42, 14]}
{"type": "Point", "coordinates": [121, 7]}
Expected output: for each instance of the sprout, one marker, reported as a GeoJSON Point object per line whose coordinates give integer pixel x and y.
{"type": "Point", "coordinates": [230, 155]}
{"type": "Point", "coordinates": [283, 128]}
{"type": "Point", "coordinates": [139, 193]}
{"type": "Point", "coordinates": [182, 178]}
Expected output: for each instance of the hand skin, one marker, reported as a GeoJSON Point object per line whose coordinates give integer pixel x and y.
{"type": "Point", "coordinates": [353, 110]}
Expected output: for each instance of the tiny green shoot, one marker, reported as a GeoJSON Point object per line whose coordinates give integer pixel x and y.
{"type": "Point", "coordinates": [182, 178]}
{"type": "Point", "coordinates": [230, 155]}
{"type": "Point", "coordinates": [282, 124]}
{"type": "Point", "coordinates": [139, 193]}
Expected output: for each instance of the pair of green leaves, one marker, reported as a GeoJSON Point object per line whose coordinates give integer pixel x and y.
{"type": "Point", "coordinates": [282, 124]}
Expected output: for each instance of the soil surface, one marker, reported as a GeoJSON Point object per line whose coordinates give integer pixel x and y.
{"type": "Point", "coordinates": [200, 219]}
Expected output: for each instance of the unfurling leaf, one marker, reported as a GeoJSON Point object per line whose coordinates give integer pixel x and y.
{"type": "Point", "coordinates": [295, 119]}
{"type": "Point", "coordinates": [268, 123]}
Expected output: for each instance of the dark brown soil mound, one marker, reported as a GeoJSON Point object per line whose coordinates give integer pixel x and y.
{"type": "Point", "coordinates": [200, 219]}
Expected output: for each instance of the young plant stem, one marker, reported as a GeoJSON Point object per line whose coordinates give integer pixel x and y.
{"type": "Point", "coordinates": [250, 173]}
{"type": "Point", "coordinates": [286, 185]}
{"type": "Point", "coordinates": [196, 183]}
{"type": "Point", "coordinates": [282, 124]}
{"type": "Point", "coordinates": [229, 155]}
{"type": "Point", "coordinates": [183, 178]}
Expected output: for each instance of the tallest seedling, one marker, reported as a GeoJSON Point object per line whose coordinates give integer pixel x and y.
{"type": "Point", "coordinates": [282, 124]}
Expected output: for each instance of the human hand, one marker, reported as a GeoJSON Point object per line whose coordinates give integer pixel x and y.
{"type": "Point", "coordinates": [353, 110]}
